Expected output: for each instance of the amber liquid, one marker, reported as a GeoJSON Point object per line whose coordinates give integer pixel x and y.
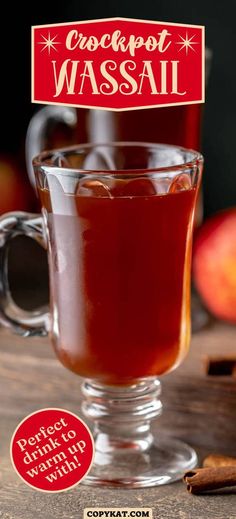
{"type": "Point", "coordinates": [120, 282]}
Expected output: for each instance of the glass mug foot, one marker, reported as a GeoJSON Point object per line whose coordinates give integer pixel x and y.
{"type": "Point", "coordinates": [126, 452]}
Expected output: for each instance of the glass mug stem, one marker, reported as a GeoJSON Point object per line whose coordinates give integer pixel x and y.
{"type": "Point", "coordinates": [117, 225]}
{"type": "Point", "coordinates": [127, 453]}
{"type": "Point", "coordinates": [122, 415]}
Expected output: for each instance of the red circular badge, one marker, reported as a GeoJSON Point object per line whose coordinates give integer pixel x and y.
{"type": "Point", "coordinates": [52, 450]}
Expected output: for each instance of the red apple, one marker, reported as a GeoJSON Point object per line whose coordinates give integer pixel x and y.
{"type": "Point", "coordinates": [214, 264]}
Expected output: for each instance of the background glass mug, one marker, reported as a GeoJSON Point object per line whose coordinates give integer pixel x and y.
{"type": "Point", "coordinates": [117, 223]}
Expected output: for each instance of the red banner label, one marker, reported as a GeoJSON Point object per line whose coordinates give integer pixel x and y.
{"type": "Point", "coordinates": [118, 64]}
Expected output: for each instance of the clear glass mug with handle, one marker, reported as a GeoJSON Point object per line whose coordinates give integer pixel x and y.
{"type": "Point", "coordinates": [117, 222]}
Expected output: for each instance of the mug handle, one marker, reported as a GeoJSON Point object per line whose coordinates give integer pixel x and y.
{"type": "Point", "coordinates": [17, 320]}
{"type": "Point", "coordinates": [37, 129]}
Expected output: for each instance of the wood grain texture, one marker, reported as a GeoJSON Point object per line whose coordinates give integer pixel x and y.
{"type": "Point", "coordinates": [197, 408]}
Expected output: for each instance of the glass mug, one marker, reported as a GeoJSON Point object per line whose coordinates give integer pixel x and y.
{"type": "Point", "coordinates": [117, 222]}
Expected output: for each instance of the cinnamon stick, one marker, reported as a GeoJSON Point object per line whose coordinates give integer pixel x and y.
{"type": "Point", "coordinates": [218, 460]}
{"type": "Point", "coordinates": [221, 366]}
{"type": "Point", "coordinates": [202, 480]}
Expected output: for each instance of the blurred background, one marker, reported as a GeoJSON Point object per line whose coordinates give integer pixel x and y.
{"type": "Point", "coordinates": [210, 127]}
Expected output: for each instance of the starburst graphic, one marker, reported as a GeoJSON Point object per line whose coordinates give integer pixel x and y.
{"type": "Point", "coordinates": [187, 43]}
{"type": "Point", "coordinates": [49, 42]}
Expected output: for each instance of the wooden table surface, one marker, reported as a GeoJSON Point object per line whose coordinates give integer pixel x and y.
{"type": "Point", "coordinates": [197, 408]}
